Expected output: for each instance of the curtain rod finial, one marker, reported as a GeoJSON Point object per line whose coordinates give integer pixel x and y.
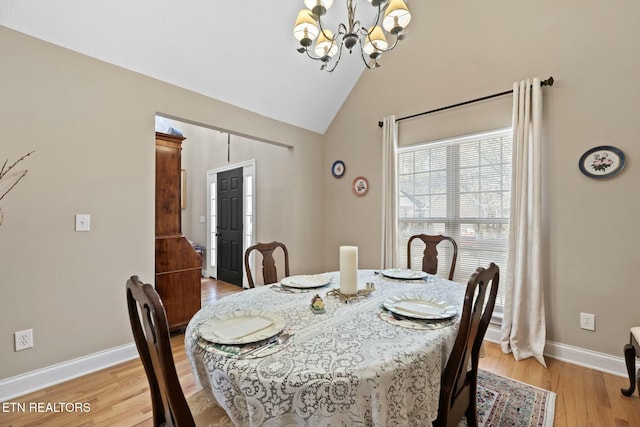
{"type": "Point", "coordinates": [380, 124]}
{"type": "Point", "coordinates": [548, 82]}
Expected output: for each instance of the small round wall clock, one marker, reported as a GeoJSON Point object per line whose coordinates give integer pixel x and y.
{"type": "Point", "coordinates": [338, 168]}
{"type": "Point", "coordinates": [604, 161]}
{"type": "Point", "coordinates": [360, 186]}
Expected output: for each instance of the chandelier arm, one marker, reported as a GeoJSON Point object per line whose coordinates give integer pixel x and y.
{"type": "Point", "coordinates": [337, 60]}
{"type": "Point", "coordinates": [380, 11]}
{"type": "Point", "coordinates": [323, 29]}
{"type": "Point", "coordinates": [395, 42]}
{"type": "Point", "coordinates": [376, 21]}
{"type": "Point", "coordinates": [337, 38]}
{"type": "Point", "coordinates": [326, 63]}
{"type": "Point", "coordinates": [315, 58]}
{"type": "Point", "coordinates": [366, 62]}
{"type": "Point", "coordinates": [357, 26]}
{"type": "Point", "coordinates": [342, 29]}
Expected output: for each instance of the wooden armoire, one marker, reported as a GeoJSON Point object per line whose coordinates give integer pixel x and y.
{"type": "Point", "coordinates": [178, 265]}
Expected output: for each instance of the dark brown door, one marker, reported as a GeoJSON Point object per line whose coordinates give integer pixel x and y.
{"type": "Point", "coordinates": [229, 226]}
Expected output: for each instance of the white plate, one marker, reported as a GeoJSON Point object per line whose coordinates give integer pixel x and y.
{"type": "Point", "coordinates": [404, 274]}
{"type": "Point", "coordinates": [252, 326]}
{"type": "Point", "coordinates": [418, 307]}
{"type": "Point", "coordinates": [306, 282]}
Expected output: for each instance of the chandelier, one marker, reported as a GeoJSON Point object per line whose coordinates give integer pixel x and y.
{"type": "Point", "coordinates": [392, 14]}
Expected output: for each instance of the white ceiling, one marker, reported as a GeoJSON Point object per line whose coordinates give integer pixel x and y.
{"type": "Point", "coordinates": [241, 52]}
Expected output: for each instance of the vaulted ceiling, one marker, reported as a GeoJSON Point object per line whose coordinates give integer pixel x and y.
{"type": "Point", "coordinates": [240, 52]}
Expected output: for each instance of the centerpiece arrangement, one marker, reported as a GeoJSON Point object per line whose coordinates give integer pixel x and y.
{"type": "Point", "coordinates": [348, 290]}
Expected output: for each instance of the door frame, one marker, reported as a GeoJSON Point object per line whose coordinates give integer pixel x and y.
{"type": "Point", "coordinates": [249, 221]}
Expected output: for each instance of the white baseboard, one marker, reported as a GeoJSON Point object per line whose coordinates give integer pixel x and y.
{"type": "Point", "coordinates": [574, 355]}
{"type": "Point", "coordinates": [41, 378]}
{"type": "Point", "coordinates": [61, 372]}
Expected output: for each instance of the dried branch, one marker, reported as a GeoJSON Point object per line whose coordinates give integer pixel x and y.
{"type": "Point", "coordinates": [3, 172]}
{"type": "Point", "coordinates": [14, 184]}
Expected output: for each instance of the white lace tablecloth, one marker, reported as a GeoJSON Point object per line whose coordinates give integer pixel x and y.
{"type": "Point", "coordinates": [346, 367]}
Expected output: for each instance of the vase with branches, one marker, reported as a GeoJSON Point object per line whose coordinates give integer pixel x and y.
{"type": "Point", "coordinates": [10, 181]}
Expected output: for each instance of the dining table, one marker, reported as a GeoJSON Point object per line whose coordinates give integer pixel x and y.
{"type": "Point", "coordinates": [340, 361]}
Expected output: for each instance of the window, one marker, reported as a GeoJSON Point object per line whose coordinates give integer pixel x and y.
{"type": "Point", "coordinates": [459, 187]}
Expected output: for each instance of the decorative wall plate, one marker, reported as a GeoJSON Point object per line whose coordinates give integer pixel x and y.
{"type": "Point", "coordinates": [602, 162]}
{"type": "Point", "coordinates": [338, 168]}
{"type": "Point", "coordinates": [360, 186]}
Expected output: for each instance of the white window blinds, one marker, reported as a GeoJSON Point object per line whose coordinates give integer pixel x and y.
{"type": "Point", "coordinates": [460, 187]}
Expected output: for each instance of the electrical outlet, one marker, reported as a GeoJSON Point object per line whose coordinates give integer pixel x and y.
{"type": "Point", "coordinates": [24, 339]}
{"type": "Point", "coordinates": [588, 321]}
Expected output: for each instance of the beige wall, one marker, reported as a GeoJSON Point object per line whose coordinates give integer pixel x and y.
{"type": "Point", "coordinates": [458, 52]}
{"type": "Point", "coordinates": [92, 127]}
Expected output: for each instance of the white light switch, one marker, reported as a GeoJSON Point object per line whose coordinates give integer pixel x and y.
{"type": "Point", "coordinates": [83, 222]}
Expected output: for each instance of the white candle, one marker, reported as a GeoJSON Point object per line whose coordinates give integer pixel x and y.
{"type": "Point", "coordinates": [349, 270]}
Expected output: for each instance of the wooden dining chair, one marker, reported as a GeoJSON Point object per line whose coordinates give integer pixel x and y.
{"type": "Point", "coordinates": [631, 351]}
{"type": "Point", "coordinates": [269, 271]}
{"type": "Point", "coordinates": [151, 334]}
{"type": "Point", "coordinates": [430, 255]}
{"type": "Point", "coordinates": [458, 385]}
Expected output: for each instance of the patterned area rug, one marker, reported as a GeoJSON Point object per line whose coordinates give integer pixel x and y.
{"type": "Point", "coordinates": [506, 402]}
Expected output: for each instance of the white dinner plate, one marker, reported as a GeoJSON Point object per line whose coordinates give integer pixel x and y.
{"type": "Point", "coordinates": [418, 307]}
{"type": "Point", "coordinates": [404, 274]}
{"type": "Point", "coordinates": [241, 327]}
{"type": "Point", "coordinates": [306, 281]}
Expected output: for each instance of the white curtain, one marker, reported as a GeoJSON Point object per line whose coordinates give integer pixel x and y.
{"type": "Point", "coordinates": [523, 325]}
{"type": "Point", "coordinates": [389, 210]}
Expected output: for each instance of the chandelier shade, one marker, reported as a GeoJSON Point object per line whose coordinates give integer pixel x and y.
{"type": "Point", "coordinates": [318, 7]}
{"type": "Point", "coordinates": [306, 29]}
{"type": "Point", "coordinates": [376, 42]}
{"type": "Point", "coordinates": [391, 18]}
{"type": "Point", "coordinates": [326, 44]}
{"type": "Point", "coordinates": [396, 17]}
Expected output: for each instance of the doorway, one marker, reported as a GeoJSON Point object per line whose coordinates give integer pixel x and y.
{"type": "Point", "coordinates": [230, 220]}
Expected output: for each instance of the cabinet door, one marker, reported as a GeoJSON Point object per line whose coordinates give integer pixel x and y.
{"type": "Point", "coordinates": [180, 294]}
{"type": "Point", "coordinates": [168, 185]}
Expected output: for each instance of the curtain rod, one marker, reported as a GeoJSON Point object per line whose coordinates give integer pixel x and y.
{"type": "Point", "coordinates": [548, 82]}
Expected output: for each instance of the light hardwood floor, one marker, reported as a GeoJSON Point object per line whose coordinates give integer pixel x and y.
{"type": "Point", "coordinates": [119, 396]}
